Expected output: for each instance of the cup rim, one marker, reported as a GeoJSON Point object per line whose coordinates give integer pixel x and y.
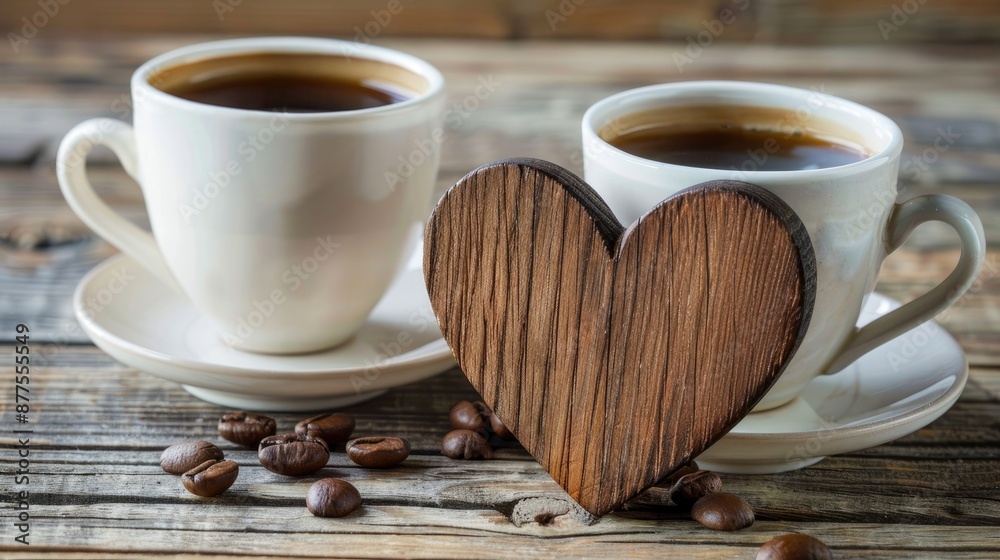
{"type": "Point", "coordinates": [606, 106]}
{"type": "Point", "coordinates": [141, 88]}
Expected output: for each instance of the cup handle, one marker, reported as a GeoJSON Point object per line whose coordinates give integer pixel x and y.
{"type": "Point", "coordinates": [905, 217]}
{"type": "Point", "coordinates": [71, 170]}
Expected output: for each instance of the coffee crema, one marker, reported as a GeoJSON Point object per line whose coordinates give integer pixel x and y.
{"type": "Point", "coordinates": [290, 82]}
{"type": "Point", "coordinates": [734, 138]}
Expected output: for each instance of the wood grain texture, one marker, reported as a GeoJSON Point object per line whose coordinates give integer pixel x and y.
{"type": "Point", "coordinates": [728, 21]}
{"type": "Point", "coordinates": [616, 355]}
{"type": "Point", "coordinates": [101, 493]}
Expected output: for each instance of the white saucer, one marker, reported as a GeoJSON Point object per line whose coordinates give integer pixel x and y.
{"type": "Point", "coordinates": [890, 392]}
{"type": "Point", "coordinates": [143, 324]}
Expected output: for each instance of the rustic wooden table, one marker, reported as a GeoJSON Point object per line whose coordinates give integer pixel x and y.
{"type": "Point", "coordinates": [96, 489]}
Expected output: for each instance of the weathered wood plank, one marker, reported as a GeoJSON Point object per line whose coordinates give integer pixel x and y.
{"type": "Point", "coordinates": [534, 111]}
{"type": "Point", "coordinates": [460, 544]}
{"type": "Point", "coordinates": [115, 429]}
{"type": "Point", "coordinates": [298, 17]}
{"type": "Point", "coordinates": [458, 548]}
{"type": "Point", "coordinates": [907, 491]}
{"type": "Point", "coordinates": [101, 426]}
{"type": "Point", "coordinates": [70, 415]}
{"type": "Point", "coordinates": [383, 530]}
{"type": "Point", "coordinates": [799, 21]}
{"type": "Point", "coordinates": [58, 387]}
{"type": "Point", "coordinates": [461, 550]}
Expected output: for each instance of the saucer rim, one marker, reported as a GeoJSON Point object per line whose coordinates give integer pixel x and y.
{"type": "Point", "coordinates": [95, 330]}
{"type": "Point", "coordinates": [946, 400]}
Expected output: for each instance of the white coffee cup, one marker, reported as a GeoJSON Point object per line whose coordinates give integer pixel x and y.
{"type": "Point", "coordinates": [850, 211]}
{"type": "Point", "coordinates": [284, 228]}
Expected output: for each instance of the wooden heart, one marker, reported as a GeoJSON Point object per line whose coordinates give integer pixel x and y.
{"type": "Point", "coordinates": [613, 355]}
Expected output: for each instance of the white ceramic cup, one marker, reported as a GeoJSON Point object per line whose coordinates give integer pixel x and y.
{"type": "Point", "coordinates": [851, 212]}
{"type": "Point", "coordinates": [284, 228]}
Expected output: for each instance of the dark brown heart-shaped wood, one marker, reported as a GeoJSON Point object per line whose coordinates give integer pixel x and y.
{"type": "Point", "coordinates": [616, 355]}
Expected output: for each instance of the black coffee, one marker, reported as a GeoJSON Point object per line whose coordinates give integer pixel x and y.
{"type": "Point", "coordinates": [294, 83]}
{"type": "Point", "coordinates": [742, 138]}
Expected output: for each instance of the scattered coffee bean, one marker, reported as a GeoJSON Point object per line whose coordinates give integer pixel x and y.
{"type": "Point", "coordinates": [210, 478]}
{"type": "Point", "coordinates": [693, 486]}
{"type": "Point", "coordinates": [499, 428]}
{"type": "Point", "coordinates": [332, 427]}
{"type": "Point", "coordinates": [293, 455]}
{"type": "Point", "coordinates": [794, 547]}
{"type": "Point", "coordinates": [467, 416]}
{"type": "Point", "coordinates": [478, 417]}
{"type": "Point", "coordinates": [493, 423]}
{"type": "Point", "coordinates": [484, 409]}
{"type": "Point", "coordinates": [332, 497]}
{"type": "Point", "coordinates": [184, 456]}
{"type": "Point", "coordinates": [465, 444]}
{"type": "Point", "coordinates": [245, 428]}
{"type": "Point", "coordinates": [687, 468]}
{"type": "Point", "coordinates": [377, 452]}
{"type": "Point", "coordinates": [723, 512]}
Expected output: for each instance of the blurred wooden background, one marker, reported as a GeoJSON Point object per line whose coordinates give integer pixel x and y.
{"type": "Point", "coordinates": [761, 21]}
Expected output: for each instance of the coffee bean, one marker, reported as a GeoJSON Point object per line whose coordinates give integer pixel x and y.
{"type": "Point", "coordinates": [693, 486]}
{"type": "Point", "coordinates": [332, 497]}
{"type": "Point", "coordinates": [467, 416]}
{"type": "Point", "coordinates": [794, 546]}
{"type": "Point", "coordinates": [723, 512]}
{"type": "Point", "coordinates": [465, 444]}
{"type": "Point", "coordinates": [493, 423]}
{"type": "Point", "coordinates": [672, 478]}
{"type": "Point", "coordinates": [478, 417]}
{"type": "Point", "coordinates": [245, 428]}
{"type": "Point", "coordinates": [184, 456]}
{"type": "Point", "coordinates": [210, 478]}
{"type": "Point", "coordinates": [378, 452]}
{"type": "Point", "coordinates": [484, 408]}
{"type": "Point", "coordinates": [332, 427]}
{"type": "Point", "coordinates": [293, 455]}
{"type": "Point", "coordinates": [499, 428]}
